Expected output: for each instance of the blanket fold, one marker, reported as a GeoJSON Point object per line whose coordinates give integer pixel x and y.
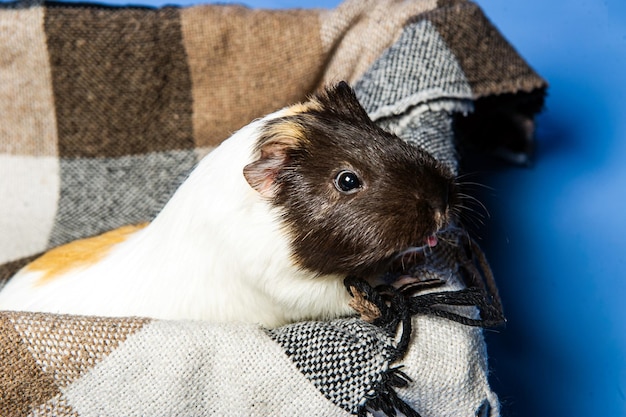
{"type": "Point", "coordinates": [105, 110]}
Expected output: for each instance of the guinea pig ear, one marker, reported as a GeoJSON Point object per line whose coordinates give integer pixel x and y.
{"type": "Point", "coordinates": [342, 99]}
{"type": "Point", "coordinates": [261, 174]}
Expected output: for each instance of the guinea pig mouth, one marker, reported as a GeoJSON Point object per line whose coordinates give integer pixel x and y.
{"type": "Point", "coordinates": [400, 268]}
{"type": "Point", "coordinates": [431, 241]}
{"type": "Point", "coordinates": [409, 257]}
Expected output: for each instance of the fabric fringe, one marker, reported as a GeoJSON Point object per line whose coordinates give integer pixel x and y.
{"type": "Point", "coordinates": [398, 306]}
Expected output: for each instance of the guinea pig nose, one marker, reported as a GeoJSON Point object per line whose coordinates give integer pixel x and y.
{"type": "Point", "coordinates": [440, 205]}
{"type": "Point", "coordinates": [439, 218]}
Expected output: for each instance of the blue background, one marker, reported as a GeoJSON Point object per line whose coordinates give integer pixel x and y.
{"type": "Point", "coordinates": [557, 233]}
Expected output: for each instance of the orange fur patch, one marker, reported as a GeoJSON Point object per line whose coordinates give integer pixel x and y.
{"type": "Point", "coordinates": [289, 132]}
{"type": "Point", "coordinates": [79, 253]}
{"type": "Point", "coordinates": [299, 108]}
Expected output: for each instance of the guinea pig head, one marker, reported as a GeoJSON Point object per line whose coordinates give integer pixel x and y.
{"type": "Point", "coordinates": [351, 196]}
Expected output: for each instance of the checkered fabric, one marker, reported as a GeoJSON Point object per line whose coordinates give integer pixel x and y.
{"type": "Point", "coordinates": [103, 113]}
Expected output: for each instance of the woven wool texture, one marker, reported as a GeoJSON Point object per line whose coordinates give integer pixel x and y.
{"type": "Point", "coordinates": [104, 112]}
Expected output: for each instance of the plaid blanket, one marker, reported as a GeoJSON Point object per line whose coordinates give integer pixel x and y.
{"type": "Point", "coordinates": [104, 111]}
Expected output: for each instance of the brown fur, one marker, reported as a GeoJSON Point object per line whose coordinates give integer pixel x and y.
{"type": "Point", "coordinates": [404, 198]}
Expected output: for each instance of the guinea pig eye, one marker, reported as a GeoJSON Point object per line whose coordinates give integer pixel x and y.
{"type": "Point", "coordinates": [347, 182]}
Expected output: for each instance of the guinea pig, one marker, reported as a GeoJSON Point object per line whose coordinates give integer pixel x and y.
{"type": "Point", "coordinates": [264, 230]}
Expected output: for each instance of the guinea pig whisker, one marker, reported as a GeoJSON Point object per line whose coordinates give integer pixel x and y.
{"type": "Point", "coordinates": [409, 250]}
{"type": "Point", "coordinates": [456, 211]}
{"type": "Point", "coordinates": [470, 218]}
{"type": "Point", "coordinates": [471, 212]}
{"type": "Point", "coordinates": [451, 233]}
{"type": "Point", "coordinates": [447, 240]}
{"type": "Point", "coordinates": [406, 258]}
{"type": "Point", "coordinates": [463, 209]}
{"type": "Point", "coordinates": [468, 184]}
{"type": "Point", "coordinates": [473, 219]}
{"type": "Point", "coordinates": [459, 181]}
{"type": "Point", "coordinates": [466, 175]}
{"type": "Point", "coordinates": [471, 199]}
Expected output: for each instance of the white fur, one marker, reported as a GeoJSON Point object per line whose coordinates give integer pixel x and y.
{"type": "Point", "coordinates": [216, 252]}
